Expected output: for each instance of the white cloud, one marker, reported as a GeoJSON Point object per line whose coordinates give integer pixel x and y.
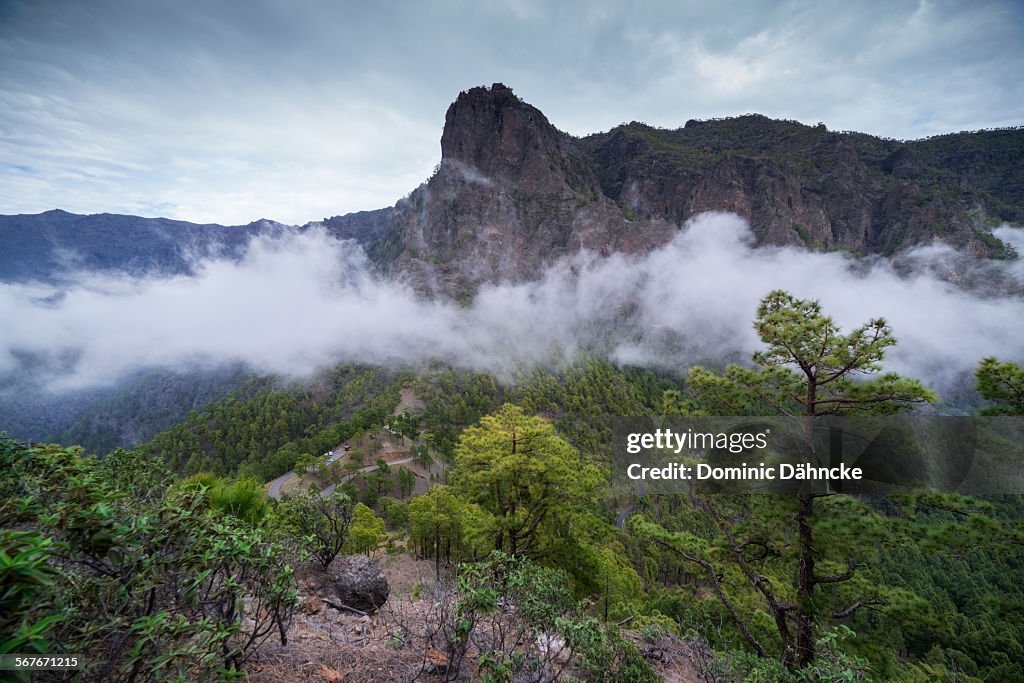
{"type": "Point", "coordinates": [298, 302]}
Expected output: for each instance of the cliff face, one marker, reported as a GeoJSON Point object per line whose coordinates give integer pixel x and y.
{"type": "Point", "coordinates": [799, 184]}
{"type": "Point", "coordinates": [512, 193]}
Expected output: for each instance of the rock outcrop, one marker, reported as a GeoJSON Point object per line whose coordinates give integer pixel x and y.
{"type": "Point", "coordinates": [360, 583]}
{"type": "Point", "coordinates": [513, 193]}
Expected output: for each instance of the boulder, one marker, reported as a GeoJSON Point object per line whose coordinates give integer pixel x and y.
{"type": "Point", "coordinates": [359, 583]}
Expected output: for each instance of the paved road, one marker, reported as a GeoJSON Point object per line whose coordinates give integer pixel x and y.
{"type": "Point", "coordinates": [274, 487]}
{"type": "Point", "coordinates": [620, 519]}
{"type": "Point", "coordinates": [330, 489]}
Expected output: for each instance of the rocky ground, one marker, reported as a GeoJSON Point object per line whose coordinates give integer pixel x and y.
{"type": "Point", "coordinates": [330, 645]}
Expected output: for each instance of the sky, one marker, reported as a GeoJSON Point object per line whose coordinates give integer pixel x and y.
{"type": "Point", "coordinates": [229, 112]}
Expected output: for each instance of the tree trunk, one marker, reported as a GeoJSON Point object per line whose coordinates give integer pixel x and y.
{"type": "Point", "coordinates": [805, 582]}
{"type": "Point", "coordinates": [437, 554]}
{"type": "Point", "coordinates": [805, 612]}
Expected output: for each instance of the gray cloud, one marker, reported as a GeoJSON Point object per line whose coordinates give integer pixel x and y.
{"type": "Point", "coordinates": [301, 301]}
{"type": "Point", "coordinates": [299, 111]}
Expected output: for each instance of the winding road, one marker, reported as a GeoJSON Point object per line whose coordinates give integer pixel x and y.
{"type": "Point", "coordinates": [620, 519]}
{"type": "Point", "coordinates": [274, 487]}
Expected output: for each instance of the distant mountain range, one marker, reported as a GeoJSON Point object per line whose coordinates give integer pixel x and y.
{"type": "Point", "coordinates": [513, 193]}
{"type": "Point", "coordinates": [48, 246]}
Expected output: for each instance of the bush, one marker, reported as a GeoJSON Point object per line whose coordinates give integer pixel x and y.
{"type": "Point", "coordinates": [525, 624]}
{"type": "Point", "coordinates": [605, 655]}
{"type": "Point", "coordinates": [244, 499]}
{"type": "Point", "coordinates": [321, 523]}
{"type": "Point", "coordinates": [148, 580]}
{"type": "Point", "coordinates": [396, 512]}
{"type": "Point", "coordinates": [26, 580]}
{"type": "Point", "coordinates": [748, 667]}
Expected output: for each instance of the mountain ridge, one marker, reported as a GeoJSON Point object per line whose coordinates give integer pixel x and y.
{"type": "Point", "coordinates": [512, 193]}
{"type": "Point", "coordinates": [50, 245]}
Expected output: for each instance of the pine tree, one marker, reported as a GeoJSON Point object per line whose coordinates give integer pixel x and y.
{"type": "Point", "coordinates": [1002, 383]}
{"type": "Point", "coordinates": [520, 471]}
{"type": "Point", "coordinates": [809, 368]}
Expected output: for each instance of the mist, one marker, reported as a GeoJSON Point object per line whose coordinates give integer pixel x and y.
{"type": "Point", "coordinates": [297, 302]}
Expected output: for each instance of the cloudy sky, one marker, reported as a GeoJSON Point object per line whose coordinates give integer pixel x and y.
{"type": "Point", "coordinates": [231, 111]}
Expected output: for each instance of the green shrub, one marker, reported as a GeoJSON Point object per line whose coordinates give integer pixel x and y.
{"type": "Point", "coordinates": [320, 523]}
{"type": "Point", "coordinates": [148, 580]}
{"type": "Point", "coordinates": [245, 499]}
{"type": "Point", "coordinates": [26, 583]}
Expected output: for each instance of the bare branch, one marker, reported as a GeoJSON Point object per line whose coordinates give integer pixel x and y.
{"type": "Point", "coordinates": [837, 578]}
{"type": "Point", "coordinates": [716, 579]}
{"type": "Point", "coordinates": [870, 603]}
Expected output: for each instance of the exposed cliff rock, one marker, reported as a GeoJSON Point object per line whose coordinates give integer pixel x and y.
{"type": "Point", "coordinates": [512, 193]}
{"type": "Point", "coordinates": [796, 184]}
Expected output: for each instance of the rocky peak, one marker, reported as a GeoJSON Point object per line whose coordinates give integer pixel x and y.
{"type": "Point", "coordinates": [496, 134]}
{"type": "Point", "coordinates": [513, 193]}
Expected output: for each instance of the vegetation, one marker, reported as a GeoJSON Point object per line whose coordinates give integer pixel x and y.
{"type": "Point", "coordinates": [523, 475]}
{"type": "Point", "coordinates": [807, 369]}
{"type": "Point", "coordinates": [322, 522]}
{"type": "Point", "coordinates": [785, 570]}
{"type": "Point", "coordinates": [164, 577]}
{"type": "Point", "coordinates": [525, 623]}
{"type": "Point", "coordinates": [1002, 383]}
{"type": "Point", "coordinates": [441, 526]}
{"type": "Point", "coordinates": [264, 433]}
{"type": "Point", "coordinates": [367, 531]}
{"type": "Point", "coordinates": [153, 581]}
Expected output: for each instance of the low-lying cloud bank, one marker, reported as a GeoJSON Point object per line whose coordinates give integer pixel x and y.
{"type": "Point", "coordinates": [297, 302]}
